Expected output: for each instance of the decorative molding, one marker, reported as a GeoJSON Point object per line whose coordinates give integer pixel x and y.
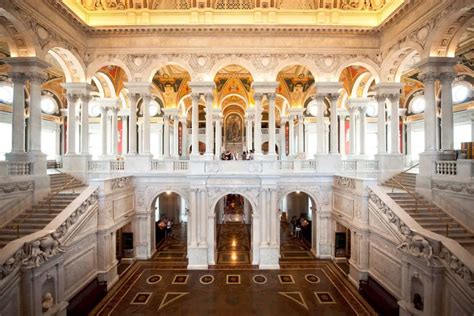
{"type": "Point", "coordinates": [344, 182]}
{"type": "Point", "coordinates": [457, 187]}
{"type": "Point", "coordinates": [122, 182]}
{"type": "Point", "coordinates": [419, 246]}
{"type": "Point", "coordinates": [8, 188]}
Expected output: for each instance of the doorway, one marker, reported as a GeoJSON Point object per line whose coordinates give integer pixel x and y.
{"type": "Point", "coordinates": [233, 230]}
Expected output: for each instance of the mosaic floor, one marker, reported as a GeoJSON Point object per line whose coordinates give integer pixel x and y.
{"type": "Point", "coordinates": [149, 288]}
{"type": "Point", "coordinates": [173, 250]}
{"type": "Point", "coordinates": [233, 244]}
{"type": "Point", "coordinates": [293, 250]}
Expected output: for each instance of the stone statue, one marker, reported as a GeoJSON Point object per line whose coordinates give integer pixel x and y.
{"type": "Point", "coordinates": [48, 302]}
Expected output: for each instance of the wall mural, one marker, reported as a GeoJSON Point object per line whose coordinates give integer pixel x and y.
{"type": "Point", "coordinates": [233, 128]}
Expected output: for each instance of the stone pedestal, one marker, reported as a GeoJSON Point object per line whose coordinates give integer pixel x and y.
{"type": "Point", "coordinates": [197, 258]}
{"type": "Point", "coordinates": [269, 257]}
{"type": "Point", "coordinates": [77, 166]}
{"type": "Point", "coordinates": [356, 274]}
{"type": "Point", "coordinates": [327, 163]}
{"type": "Point", "coordinates": [389, 165]}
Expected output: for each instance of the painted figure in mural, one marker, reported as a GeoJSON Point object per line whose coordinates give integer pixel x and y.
{"type": "Point", "coordinates": [234, 128]}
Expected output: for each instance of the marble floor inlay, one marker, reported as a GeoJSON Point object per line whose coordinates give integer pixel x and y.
{"type": "Point", "coordinates": [233, 292]}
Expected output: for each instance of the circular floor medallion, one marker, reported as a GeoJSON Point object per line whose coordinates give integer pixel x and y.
{"type": "Point", "coordinates": [260, 279]}
{"type": "Point", "coordinates": [206, 279]}
{"type": "Point", "coordinates": [311, 278]}
{"type": "Point", "coordinates": [154, 279]}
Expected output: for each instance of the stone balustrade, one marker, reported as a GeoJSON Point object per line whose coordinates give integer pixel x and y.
{"type": "Point", "coordinates": [359, 166]}
{"type": "Point", "coordinates": [461, 170]}
{"type": "Point", "coordinates": [20, 168]}
{"type": "Point", "coordinates": [35, 249]}
{"type": "Point", "coordinates": [422, 243]}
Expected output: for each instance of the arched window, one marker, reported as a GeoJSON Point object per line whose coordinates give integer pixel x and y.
{"type": "Point", "coordinates": [461, 91]}
{"type": "Point", "coordinates": [48, 104]}
{"type": "Point", "coordinates": [417, 104]}
{"type": "Point", "coordinates": [6, 94]}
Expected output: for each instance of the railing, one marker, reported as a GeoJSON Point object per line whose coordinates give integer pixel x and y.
{"type": "Point", "coordinates": [285, 165]}
{"type": "Point", "coordinates": [117, 165]}
{"type": "Point", "coordinates": [158, 165]}
{"type": "Point", "coordinates": [359, 165]}
{"type": "Point", "coordinates": [446, 167]}
{"type": "Point", "coordinates": [420, 242]}
{"type": "Point", "coordinates": [308, 164]}
{"type": "Point", "coordinates": [19, 168]}
{"type": "Point", "coordinates": [180, 165]}
{"type": "Point", "coordinates": [35, 249]}
{"type": "Point", "coordinates": [106, 165]}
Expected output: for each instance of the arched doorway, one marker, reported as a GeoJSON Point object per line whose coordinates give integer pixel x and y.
{"type": "Point", "coordinates": [170, 226]}
{"type": "Point", "coordinates": [297, 228]}
{"type": "Point", "coordinates": [233, 230]}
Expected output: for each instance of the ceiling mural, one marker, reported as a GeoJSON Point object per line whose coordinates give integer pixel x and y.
{"type": "Point", "coordinates": [171, 82]}
{"type": "Point", "coordinates": [116, 75]}
{"type": "Point", "coordinates": [370, 5]}
{"type": "Point", "coordinates": [296, 85]}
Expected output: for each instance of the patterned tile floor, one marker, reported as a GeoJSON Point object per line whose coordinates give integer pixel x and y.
{"type": "Point", "coordinates": [149, 288]}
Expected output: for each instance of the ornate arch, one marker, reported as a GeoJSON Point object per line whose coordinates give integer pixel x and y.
{"type": "Point", "coordinates": [217, 194]}
{"type": "Point", "coordinates": [233, 60]}
{"type": "Point", "coordinates": [158, 64]}
{"type": "Point", "coordinates": [152, 193]}
{"type": "Point", "coordinates": [100, 62]}
{"type": "Point", "coordinates": [72, 65]}
{"type": "Point", "coordinates": [364, 62]}
{"type": "Point", "coordinates": [443, 39]}
{"type": "Point", "coordinates": [308, 63]}
{"type": "Point", "coordinates": [21, 39]}
{"type": "Point", "coordinates": [394, 63]}
{"type": "Point", "coordinates": [314, 196]}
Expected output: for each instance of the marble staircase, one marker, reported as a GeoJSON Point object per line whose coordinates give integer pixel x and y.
{"type": "Point", "coordinates": [427, 214]}
{"type": "Point", "coordinates": [63, 192]}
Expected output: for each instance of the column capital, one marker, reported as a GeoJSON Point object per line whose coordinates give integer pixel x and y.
{"type": "Point", "coordinates": [209, 97]}
{"type": "Point", "coordinates": [283, 119]}
{"type": "Point", "coordinates": [429, 77]}
{"type": "Point", "coordinates": [71, 97]}
{"type": "Point", "coordinates": [447, 77]}
{"type": "Point", "coordinates": [77, 87]}
{"type": "Point", "coordinates": [195, 97]}
{"type": "Point", "coordinates": [36, 77]}
{"type": "Point", "coordinates": [258, 96]}
{"type": "Point", "coordinates": [271, 97]}
{"type": "Point", "coordinates": [18, 77]}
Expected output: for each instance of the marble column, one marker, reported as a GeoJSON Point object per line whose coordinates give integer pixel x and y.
{"type": "Point", "coordinates": [209, 127]}
{"type": "Point", "coordinates": [34, 123]}
{"type": "Point", "coordinates": [218, 121]}
{"type": "Point", "coordinates": [71, 123]}
{"type": "Point", "coordinates": [258, 124]}
{"type": "Point", "coordinates": [430, 121]}
{"type": "Point", "coordinates": [283, 121]}
{"type": "Point", "coordinates": [352, 130]}
{"type": "Point", "coordinates": [114, 147]}
{"type": "Point", "coordinates": [342, 133]}
{"type": "Point", "coordinates": [381, 124]}
{"type": "Point", "coordinates": [175, 137]}
{"type": "Point", "coordinates": [274, 220]}
{"type": "Point", "coordinates": [271, 124]}
{"type": "Point", "coordinates": [132, 129]}
{"type": "Point", "coordinates": [166, 137]}
{"type": "Point", "coordinates": [146, 124]}
{"type": "Point", "coordinates": [264, 218]}
{"type": "Point", "coordinates": [195, 125]}
{"type": "Point", "coordinates": [320, 124]}
{"type": "Point", "coordinates": [248, 134]}
{"type": "Point", "coordinates": [203, 217]}
{"type": "Point", "coordinates": [291, 135]}
{"type": "Point", "coordinates": [334, 127]}
{"type": "Point", "coordinates": [124, 135]}
{"type": "Point", "coordinates": [103, 128]}
{"type": "Point", "coordinates": [363, 125]}
{"type": "Point", "coordinates": [268, 210]}
{"type": "Point", "coordinates": [84, 124]}
{"type": "Point", "coordinates": [300, 134]}
{"type": "Point", "coordinates": [18, 115]}
{"type": "Point", "coordinates": [193, 218]}
{"type": "Point", "coordinates": [184, 138]}
{"type": "Point", "coordinates": [394, 124]}
{"type": "Point", "coordinates": [447, 129]}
